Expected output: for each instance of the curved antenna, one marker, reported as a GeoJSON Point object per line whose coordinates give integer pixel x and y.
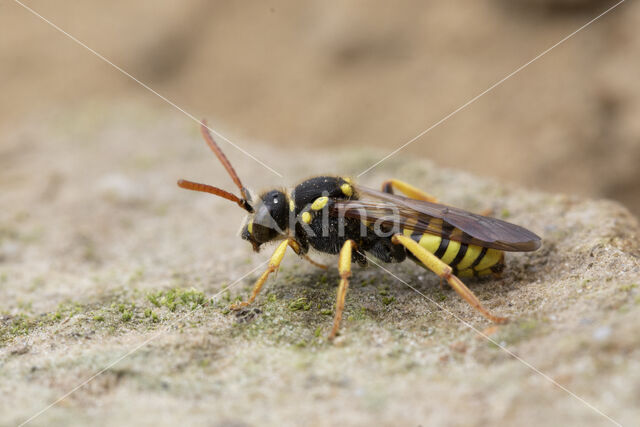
{"type": "Point", "coordinates": [243, 202]}
{"type": "Point", "coordinates": [223, 159]}
{"type": "Point", "coordinates": [196, 186]}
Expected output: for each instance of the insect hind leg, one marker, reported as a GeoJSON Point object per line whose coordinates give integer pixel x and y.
{"type": "Point", "coordinates": [417, 194]}
{"type": "Point", "coordinates": [407, 189]}
{"type": "Point", "coordinates": [444, 271]}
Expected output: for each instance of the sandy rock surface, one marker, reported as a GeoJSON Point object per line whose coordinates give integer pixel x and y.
{"type": "Point", "coordinates": [104, 259]}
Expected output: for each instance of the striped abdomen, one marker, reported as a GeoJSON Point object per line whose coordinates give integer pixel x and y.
{"type": "Point", "coordinates": [466, 260]}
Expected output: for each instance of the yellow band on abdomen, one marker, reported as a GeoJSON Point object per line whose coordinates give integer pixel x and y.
{"type": "Point", "coordinates": [475, 257]}
{"type": "Point", "coordinates": [491, 258]}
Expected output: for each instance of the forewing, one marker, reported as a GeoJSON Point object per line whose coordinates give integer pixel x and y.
{"type": "Point", "coordinates": [446, 221]}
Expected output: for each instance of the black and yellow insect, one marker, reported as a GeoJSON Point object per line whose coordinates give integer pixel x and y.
{"type": "Point", "coordinates": [336, 216]}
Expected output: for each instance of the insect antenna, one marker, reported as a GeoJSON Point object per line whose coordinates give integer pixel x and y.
{"type": "Point", "coordinates": [223, 159]}
{"type": "Point", "coordinates": [243, 202]}
{"type": "Point", "coordinates": [196, 186]}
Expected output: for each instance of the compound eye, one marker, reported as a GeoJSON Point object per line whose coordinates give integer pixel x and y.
{"type": "Point", "coordinates": [272, 213]}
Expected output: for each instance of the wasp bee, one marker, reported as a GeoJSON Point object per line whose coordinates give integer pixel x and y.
{"type": "Point", "coordinates": [334, 215]}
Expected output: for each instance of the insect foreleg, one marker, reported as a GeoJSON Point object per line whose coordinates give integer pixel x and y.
{"type": "Point", "coordinates": [274, 263]}
{"type": "Point", "coordinates": [436, 265]}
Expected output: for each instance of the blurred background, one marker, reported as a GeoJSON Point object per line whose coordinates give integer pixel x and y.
{"type": "Point", "coordinates": [356, 74]}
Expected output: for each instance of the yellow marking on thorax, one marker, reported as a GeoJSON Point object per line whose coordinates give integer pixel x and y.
{"type": "Point", "coordinates": [292, 205]}
{"type": "Point", "coordinates": [306, 217]}
{"type": "Point", "coordinates": [347, 190]}
{"type": "Point", "coordinates": [250, 227]}
{"type": "Point", "coordinates": [319, 203]}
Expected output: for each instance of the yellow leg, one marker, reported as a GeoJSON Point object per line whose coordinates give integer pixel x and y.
{"type": "Point", "coordinates": [487, 212]}
{"type": "Point", "coordinates": [344, 267]}
{"type": "Point", "coordinates": [408, 190]}
{"type": "Point", "coordinates": [436, 265]}
{"type": "Point", "coordinates": [274, 263]}
{"type": "Point", "coordinates": [414, 193]}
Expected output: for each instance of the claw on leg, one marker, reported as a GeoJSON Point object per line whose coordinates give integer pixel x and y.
{"type": "Point", "coordinates": [344, 267]}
